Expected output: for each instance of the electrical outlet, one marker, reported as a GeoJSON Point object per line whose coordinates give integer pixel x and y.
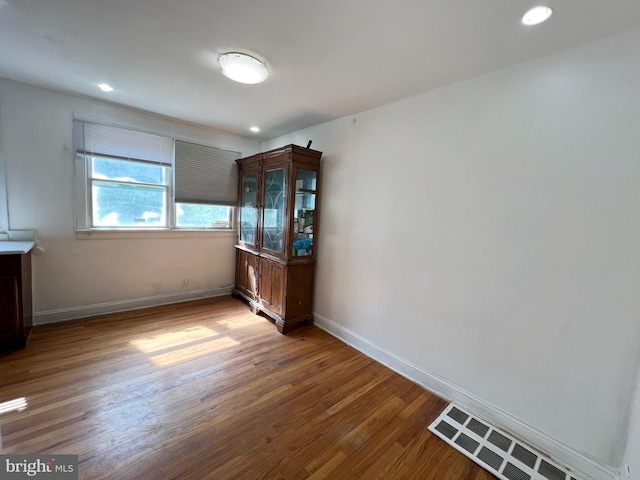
{"type": "Point", "coordinates": [185, 281]}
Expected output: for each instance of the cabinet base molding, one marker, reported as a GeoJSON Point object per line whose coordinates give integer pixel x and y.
{"type": "Point", "coordinates": [283, 326]}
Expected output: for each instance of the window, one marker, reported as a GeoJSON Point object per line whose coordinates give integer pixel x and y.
{"type": "Point", "coordinates": [126, 179]}
{"type": "Point", "coordinates": [191, 215]}
{"type": "Point", "coordinates": [127, 193]}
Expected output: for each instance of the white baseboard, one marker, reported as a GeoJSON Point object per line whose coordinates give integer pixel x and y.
{"type": "Point", "coordinates": [583, 466]}
{"type": "Point", "coordinates": [63, 314]}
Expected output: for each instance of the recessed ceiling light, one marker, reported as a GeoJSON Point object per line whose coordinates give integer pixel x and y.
{"type": "Point", "coordinates": [537, 15]}
{"type": "Point", "coordinates": [243, 68]}
{"type": "Point", "coordinates": [255, 129]}
{"type": "Point", "coordinates": [105, 87]}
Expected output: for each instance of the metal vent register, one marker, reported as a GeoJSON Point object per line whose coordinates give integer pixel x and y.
{"type": "Point", "coordinates": [494, 450]}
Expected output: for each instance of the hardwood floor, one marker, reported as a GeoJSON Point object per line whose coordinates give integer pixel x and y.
{"type": "Point", "coordinates": [207, 390]}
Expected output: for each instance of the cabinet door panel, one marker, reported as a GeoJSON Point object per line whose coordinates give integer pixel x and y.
{"type": "Point", "coordinates": [272, 285]}
{"type": "Point", "coordinates": [246, 273]}
{"type": "Point", "coordinates": [9, 321]}
{"type": "Point", "coordinates": [10, 265]}
{"type": "Point", "coordinates": [299, 290]}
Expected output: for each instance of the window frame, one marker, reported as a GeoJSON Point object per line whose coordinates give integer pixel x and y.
{"type": "Point", "coordinates": [83, 193]}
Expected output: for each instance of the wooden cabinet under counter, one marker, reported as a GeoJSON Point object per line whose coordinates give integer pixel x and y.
{"type": "Point", "coordinates": [15, 300]}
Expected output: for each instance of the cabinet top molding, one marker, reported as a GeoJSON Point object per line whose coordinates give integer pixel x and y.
{"type": "Point", "coordinates": [287, 149]}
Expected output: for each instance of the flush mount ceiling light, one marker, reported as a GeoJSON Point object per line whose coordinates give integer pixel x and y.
{"type": "Point", "coordinates": [243, 68]}
{"type": "Point", "coordinates": [537, 15]}
{"type": "Point", "coordinates": [255, 129]}
{"type": "Point", "coordinates": [105, 87]}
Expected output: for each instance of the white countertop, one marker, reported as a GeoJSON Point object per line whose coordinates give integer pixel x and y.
{"type": "Point", "coordinates": [14, 247]}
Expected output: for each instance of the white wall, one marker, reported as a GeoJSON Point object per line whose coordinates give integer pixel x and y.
{"type": "Point", "coordinates": [487, 232]}
{"type": "Point", "coordinates": [76, 277]}
{"type": "Point", "coordinates": [632, 456]}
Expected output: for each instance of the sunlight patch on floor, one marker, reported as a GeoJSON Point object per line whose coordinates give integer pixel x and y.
{"type": "Point", "coordinates": [17, 405]}
{"type": "Point", "coordinates": [173, 339]}
{"type": "Point", "coordinates": [241, 322]}
{"type": "Point", "coordinates": [193, 351]}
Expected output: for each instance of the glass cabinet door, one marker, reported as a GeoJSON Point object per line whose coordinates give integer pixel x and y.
{"type": "Point", "coordinates": [248, 209]}
{"type": "Point", "coordinates": [274, 209]}
{"type": "Point", "coordinates": [304, 212]}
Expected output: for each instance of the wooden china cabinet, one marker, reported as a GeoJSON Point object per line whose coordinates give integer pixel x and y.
{"type": "Point", "coordinates": [279, 195]}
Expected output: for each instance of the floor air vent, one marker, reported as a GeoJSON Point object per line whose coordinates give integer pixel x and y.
{"type": "Point", "coordinates": [494, 450]}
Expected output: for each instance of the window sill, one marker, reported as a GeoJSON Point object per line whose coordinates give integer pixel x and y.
{"type": "Point", "coordinates": [147, 234]}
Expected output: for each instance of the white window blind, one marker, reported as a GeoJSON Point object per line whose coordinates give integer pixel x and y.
{"type": "Point", "coordinates": [121, 143]}
{"type": "Point", "coordinates": [205, 174]}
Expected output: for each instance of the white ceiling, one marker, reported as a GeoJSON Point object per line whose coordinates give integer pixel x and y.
{"type": "Point", "coordinates": [327, 58]}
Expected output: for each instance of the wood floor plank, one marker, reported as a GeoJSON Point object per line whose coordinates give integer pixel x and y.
{"type": "Point", "coordinates": [206, 389]}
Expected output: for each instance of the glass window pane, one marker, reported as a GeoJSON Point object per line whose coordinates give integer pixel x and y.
{"type": "Point", "coordinates": [191, 215]}
{"type": "Point", "coordinates": [128, 171]}
{"type": "Point", "coordinates": [274, 209]}
{"type": "Point", "coordinates": [303, 232]}
{"type": "Point", "coordinates": [305, 179]}
{"type": "Point", "coordinates": [249, 224]}
{"type": "Point", "coordinates": [128, 205]}
{"type": "Point", "coordinates": [304, 213]}
{"type": "Point", "coordinates": [305, 200]}
{"type": "Point", "coordinates": [248, 212]}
